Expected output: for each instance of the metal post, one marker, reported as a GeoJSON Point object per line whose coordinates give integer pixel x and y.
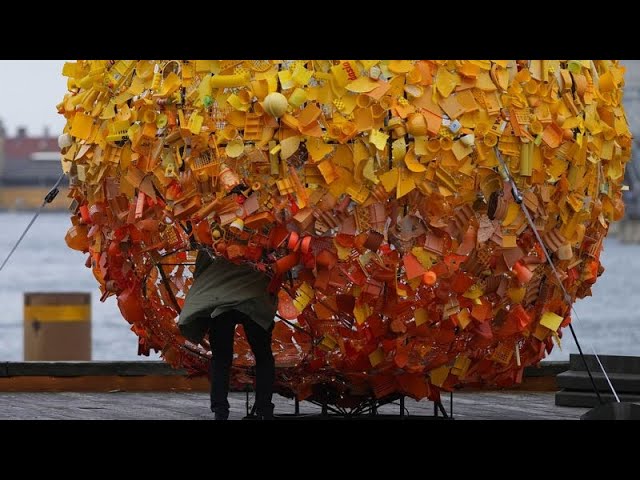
{"type": "Point", "coordinates": [325, 409]}
{"type": "Point", "coordinates": [441, 408]}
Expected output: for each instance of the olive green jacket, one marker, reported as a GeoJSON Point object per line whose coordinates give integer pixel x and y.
{"type": "Point", "coordinates": [220, 285]}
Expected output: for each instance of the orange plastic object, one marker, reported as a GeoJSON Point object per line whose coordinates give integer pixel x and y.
{"type": "Point", "coordinates": [305, 245]}
{"type": "Point", "coordinates": [523, 274]}
{"type": "Point", "coordinates": [429, 278]}
{"type": "Point", "coordinates": [130, 305]}
{"type": "Point", "coordinates": [286, 263]}
{"type": "Point", "coordinates": [292, 243]}
{"type": "Point", "coordinates": [76, 238]}
{"type": "Point", "coordinates": [286, 308]}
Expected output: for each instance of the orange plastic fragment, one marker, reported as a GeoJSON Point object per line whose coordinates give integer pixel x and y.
{"type": "Point", "coordinates": [429, 277]}
{"type": "Point", "coordinates": [482, 312]}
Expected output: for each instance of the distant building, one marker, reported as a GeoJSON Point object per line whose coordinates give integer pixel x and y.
{"type": "Point", "coordinates": [28, 161]}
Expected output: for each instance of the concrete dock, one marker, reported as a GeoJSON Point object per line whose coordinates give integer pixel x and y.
{"type": "Point", "coordinates": [493, 405]}
{"type": "Point", "coordinates": [155, 391]}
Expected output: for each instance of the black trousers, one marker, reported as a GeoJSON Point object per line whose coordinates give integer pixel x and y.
{"type": "Point", "coordinates": [221, 336]}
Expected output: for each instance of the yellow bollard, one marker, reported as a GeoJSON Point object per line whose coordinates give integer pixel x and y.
{"type": "Point", "coordinates": [57, 326]}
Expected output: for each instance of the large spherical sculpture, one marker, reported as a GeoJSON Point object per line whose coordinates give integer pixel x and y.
{"type": "Point", "coordinates": [376, 195]}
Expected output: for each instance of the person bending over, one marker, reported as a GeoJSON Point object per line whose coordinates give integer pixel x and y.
{"type": "Point", "coordinates": [224, 294]}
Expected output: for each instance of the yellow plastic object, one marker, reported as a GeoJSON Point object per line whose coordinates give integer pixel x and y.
{"type": "Point", "coordinates": [297, 98]}
{"type": "Point", "coordinates": [551, 320]}
{"type": "Point", "coordinates": [275, 104]}
{"type": "Point", "coordinates": [512, 213]}
{"type": "Point", "coordinates": [406, 183]}
{"type": "Point", "coordinates": [412, 162]}
{"type": "Point", "coordinates": [361, 312]}
{"type": "Point", "coordinates": [461, 366]}
{"type": "Point", "coordinates": [304, 295]}
{"type": "Point", "coordinates": [464, 318]}
{"type": "Point", "coordinates": [81, 126]}
{"type": "Point", "coordinates": [379, 139]}
{"type": "Point", "coordinates": [517, 294]}
{"type": "Point", "coordinates": [446, 82]}
{"type": "Point", "coordinates": [228, 81]}
{"type": "Point", "coordinates": [439, 375]}
{"type": "Point", "coordinates": [474, 292]}
{"type": "Point", "coordinates": [376, 357]}
{"type": "Point", "coordinates": [421, 316]}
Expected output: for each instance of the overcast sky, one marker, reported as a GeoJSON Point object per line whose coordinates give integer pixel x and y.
{"type": "Point", "coordinates": [29, 93]}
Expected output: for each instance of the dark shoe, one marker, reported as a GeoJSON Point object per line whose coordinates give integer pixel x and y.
{"type": "Point", "coordinates": [221, 415]}
{"type": "Point", "coordinates": [265, 413]}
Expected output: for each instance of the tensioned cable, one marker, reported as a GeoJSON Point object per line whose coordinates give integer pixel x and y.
{"type": "Point", "coordinates": [517, 196]}
{"type": "Point", "coordinates": [49, 197]}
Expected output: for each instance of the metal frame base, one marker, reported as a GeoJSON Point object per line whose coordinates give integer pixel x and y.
{"type": "Point", "coordinates": [365, 410]}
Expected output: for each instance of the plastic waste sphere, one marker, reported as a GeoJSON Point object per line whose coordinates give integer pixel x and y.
{"type": "Point", "coordinates": [375, 194]}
